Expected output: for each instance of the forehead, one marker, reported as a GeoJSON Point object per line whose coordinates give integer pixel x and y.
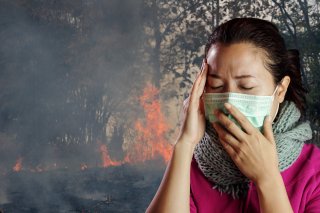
{"type": "Point", "coordinates": [239, 58]}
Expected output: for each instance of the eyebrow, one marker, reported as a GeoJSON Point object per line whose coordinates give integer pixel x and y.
{"type": "Point", "coordinates": [245, 76]}
{"type": "Point", "coordinates": [213, 75]}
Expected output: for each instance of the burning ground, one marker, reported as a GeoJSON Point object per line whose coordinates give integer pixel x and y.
{"type": "Point", "coordinates": [85, 124]}
{"type": "Point", "coordinates": [124, 188]}
{"type": "Point", "coordinates": [97, 183]}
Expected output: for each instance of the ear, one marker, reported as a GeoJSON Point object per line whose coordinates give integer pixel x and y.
{"type": "Point", "coordinates": [283, 87]}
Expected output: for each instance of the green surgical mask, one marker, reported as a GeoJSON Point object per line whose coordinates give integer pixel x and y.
{"type": "Point", "coordinates": [254, 107]}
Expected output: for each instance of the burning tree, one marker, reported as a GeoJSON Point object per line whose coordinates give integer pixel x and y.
{"type": "Point", "coordinates": [151, 132]}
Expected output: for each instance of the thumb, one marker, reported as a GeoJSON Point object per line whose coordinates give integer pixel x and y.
{"type": "Point", "coordinates": [267, 129]}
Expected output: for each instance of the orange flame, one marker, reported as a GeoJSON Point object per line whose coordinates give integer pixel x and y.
{"type": "Point", "coordinates": [18, 166]}
{"type": "Point", "coordinates": [150, 140]}
{"type": "Point", "coordinates": [151, 132]}
{"type": "Point", "coordinates": [106, 160]}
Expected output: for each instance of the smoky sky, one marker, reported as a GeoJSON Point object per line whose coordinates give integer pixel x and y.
{"type": "Point", "coordinates": [70, 67]}
{"type": "Point", "coordinates": [57, 61]}
{"type": "Point", "coordinates": [66, 68]}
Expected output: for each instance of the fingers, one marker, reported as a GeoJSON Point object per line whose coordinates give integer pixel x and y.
{"type": "Point", "coordinates": [186, 104]}
{"type": "Point", "coordinates": [230, 125]}
{"type": "Point", "coordinates": [201, 80]}
{"type": "Point", "coordinates": [243, 121]}
{"type": "Point", "coordinates": [267, 129]}
{"type": "Point", "coordinates": [203, 74]}
{"type": "Point", "coordinates": [226, 137]}
{"type": "Point", "coordinates": [198, 86]}
{"type": "Point", "coordinates": [229, 149]}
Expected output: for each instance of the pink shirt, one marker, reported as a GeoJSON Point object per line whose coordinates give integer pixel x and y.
{"type": "Point", "coordinates": [301, 179]}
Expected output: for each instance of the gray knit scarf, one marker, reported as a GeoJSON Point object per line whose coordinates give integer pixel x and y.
{"type": "Point", "coordinates": [290, 134]}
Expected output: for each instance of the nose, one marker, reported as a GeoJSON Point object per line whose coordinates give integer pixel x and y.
{"type": "Point", "coordinates": [229, 87]}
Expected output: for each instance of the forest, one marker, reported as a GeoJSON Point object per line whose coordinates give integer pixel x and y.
{"type": "Point", "coordinates": [96, 84]}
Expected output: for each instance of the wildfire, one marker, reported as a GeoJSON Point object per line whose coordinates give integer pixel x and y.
{"type": "Point", "coordinates": [18, 166]}
{"type": "Point", "coordinates": [106, 160]}
{"type": "Point", "coordinates": [38, 169]}
{"type": "Point", "coordinates": [150, 140]}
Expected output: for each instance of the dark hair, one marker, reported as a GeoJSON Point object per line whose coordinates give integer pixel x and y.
{"type": "Point", "coordinates": [278, 61]}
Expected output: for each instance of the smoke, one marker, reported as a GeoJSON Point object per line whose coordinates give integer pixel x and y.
{"type": "Point", "coordinates": [70, 72]}
{"type": "Point", "coordinates": [56, 74]}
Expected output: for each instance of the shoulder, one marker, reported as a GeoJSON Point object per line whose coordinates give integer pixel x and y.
{"type": "Point", "coordinates": [312, 154]}
{"type": "Point", "coordinates": [309, 157]}
{"type": "Point", "coordinates": [307, 164]}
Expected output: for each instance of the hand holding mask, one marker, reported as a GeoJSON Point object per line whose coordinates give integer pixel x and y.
{"type": "Point", "coordinates": [254, 107]}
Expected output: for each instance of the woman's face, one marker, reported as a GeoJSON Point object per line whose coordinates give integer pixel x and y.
{"type": "Point", "coordinates": [239, 68]}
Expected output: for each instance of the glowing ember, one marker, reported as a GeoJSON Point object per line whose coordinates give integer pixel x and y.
{"type": "Point", "coordinates": [18, 166]}
{"type": "Point", "coordinates": [106, 160]}
{"type": "Point", "coordinates": [83, 166]}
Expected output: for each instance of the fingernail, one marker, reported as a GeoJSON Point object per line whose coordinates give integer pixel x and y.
{"type": "Point", "coordinates": [227, 105]}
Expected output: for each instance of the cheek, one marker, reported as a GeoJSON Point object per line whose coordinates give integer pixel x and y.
{"type": "Point", "coordinates": [267, 83]}
{"type": "Point", "coordinates": [264, 87]}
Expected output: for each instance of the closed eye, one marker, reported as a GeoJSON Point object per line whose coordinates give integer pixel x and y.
{"type": "Point", "coordinates": [246, 88]}
{"type": "Point", "coordinates": [216, 87]}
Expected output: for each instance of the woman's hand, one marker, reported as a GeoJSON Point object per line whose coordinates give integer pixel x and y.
{"type": "Point", "coordinates": [193, 126]}
{"type": "Point", "coordinates": [175, 184]}
{"type": "Point", "coordinates": [254, 153]}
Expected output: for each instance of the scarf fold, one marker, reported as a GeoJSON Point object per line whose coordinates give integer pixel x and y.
{"type": "Point", "coordinates": [290, 134]}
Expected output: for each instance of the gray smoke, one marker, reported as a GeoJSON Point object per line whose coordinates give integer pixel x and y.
{"type": "Point", "coordinates": [66, 68]}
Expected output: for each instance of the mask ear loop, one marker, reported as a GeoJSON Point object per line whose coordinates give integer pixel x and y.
{"type": "Point", "coordinates": [274, 92]}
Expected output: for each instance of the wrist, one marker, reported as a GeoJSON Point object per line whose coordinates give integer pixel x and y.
{"type": "Point", "coordinates": [184, 145]}
{"type": "Point", "coordinates": [273, 195]}
{"type": "Point", "coordinates": [271, 181]}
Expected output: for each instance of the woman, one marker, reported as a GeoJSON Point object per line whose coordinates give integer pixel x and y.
{"type": "Point", "coordinates": [228, 159]}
